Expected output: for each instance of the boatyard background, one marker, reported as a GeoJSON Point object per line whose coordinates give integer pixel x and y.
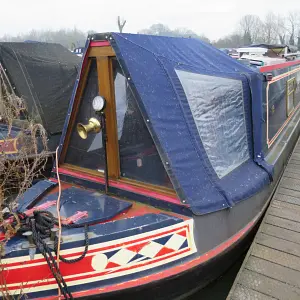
{"type": "Point", "coordinates": [271, 29]}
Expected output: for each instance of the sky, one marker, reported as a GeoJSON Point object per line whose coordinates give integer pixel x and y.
{"type": "Point", "coordinates": [213, 18]}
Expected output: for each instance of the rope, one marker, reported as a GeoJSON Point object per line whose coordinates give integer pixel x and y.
{"type": "Point", "coordinates": [44, 249]}
{"type": "Point", "coordinates": [58, 214]}
{"type": "Point", "coordinates": [40, 224]}
{"type": "Point", "coordinates": [86, 247]}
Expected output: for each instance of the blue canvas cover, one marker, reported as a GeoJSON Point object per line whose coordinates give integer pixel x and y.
{"type": "Point", "coordinates": [156, 67]}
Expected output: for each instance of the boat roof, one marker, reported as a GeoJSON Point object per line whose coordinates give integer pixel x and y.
{"type": "Point", "coordinates": [170, 114]}
{"type": "Point", "coordinates": [256, 50]}
{"type": "Point", "coordinates": [265, 60]}
{"type": "Point", "coordinates": [274, 46]}
{"type": "Point", "coordinates": [43, 74]}
{"type": "Point", "coordinates": [268, 46]}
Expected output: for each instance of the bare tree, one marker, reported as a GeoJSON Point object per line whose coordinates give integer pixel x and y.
{"type": "Point", "coordinates": [269, 29]}
{"type": "Point", "coordinates": [251, 27]}
{"type": "Point", "coordinates": [231, 41]}
{"type": "Point", "coordinates": [293, 22]}
{"type": "Point", "coordinates": [121, 24]}
{"type": "Point", "coordinates": [157, 29]}
{"type": "Point", "coordinates": [69, 38]}
{"type": "Point", "coordinates": [164, 30]}
{"type": "Point", "coordinates": [18, 172]}
{"type": "Point", "coordinates": [281, 31]}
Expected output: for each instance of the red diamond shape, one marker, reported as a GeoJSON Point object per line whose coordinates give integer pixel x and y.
{"type": "Point", "coordinates": [164, 251]}
{"type": "Point", "coordinates": [137, 248]}
{"type": "Point", "coordinates": [182, 233]}
{"type": "Point", "coordinates": [111, 265]}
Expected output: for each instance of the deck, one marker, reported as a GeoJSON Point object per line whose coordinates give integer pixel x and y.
{"type": "Point", "coordinates": [271, 269]}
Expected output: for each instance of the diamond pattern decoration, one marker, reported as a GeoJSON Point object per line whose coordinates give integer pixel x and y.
{"type": "Point", "coordinates": [175, 242]}
{"type": "Point", "coordinates": [111, 253]}
{"type": "Point", "coordinates": [184, 245]}
{"type": "Point", "coordinates": [122, 257]}
{"type": "Point", "coordinates": [140, 254]}
{"type": "Point", "coordinates": [163, 240]}
{"type": "Point", "coordinates": [151, 249]}
{"type": "Point", "coordinates": [148, 250]}
{"type": "Point", "coordinates": [138, 257]}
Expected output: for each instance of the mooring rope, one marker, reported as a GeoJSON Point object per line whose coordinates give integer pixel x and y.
{"type": "Point", "coordinates": [40, 224]}
{"type": "Point", "coordinates": [58, 214]}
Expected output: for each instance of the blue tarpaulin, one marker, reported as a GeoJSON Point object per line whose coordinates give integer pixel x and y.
{"type": "Point", "coordinates": [164, 73]}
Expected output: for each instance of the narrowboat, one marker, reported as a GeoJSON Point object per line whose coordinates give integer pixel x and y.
{"type": "Point", "coordinates": [267, 54]}
{"type": "Point", "coordinates": [78, 51]}
{"type": "Point", "coordinates": [42, 76]}
{"type": "Point", "coordinates": [169, 155]}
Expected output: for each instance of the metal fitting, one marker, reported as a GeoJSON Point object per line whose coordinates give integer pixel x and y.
{"type": "Point", "coordinates": [53, 233]}
{"type": "Point", "coordinates": [29, 236]}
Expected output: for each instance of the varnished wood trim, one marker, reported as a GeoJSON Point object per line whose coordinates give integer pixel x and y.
{"type": "Point", "coordinates": [82, 170]}
{"type": "Point", "coordinates": [106, 90]}
{"type": "Point", "coordinates": [114, 126]}
{"type": "Point", "coordinates": [101, 51]}
{"type": "Point", "coordinates": [76, 104]}
{"type": "Point", "coordinates": [151, 187]}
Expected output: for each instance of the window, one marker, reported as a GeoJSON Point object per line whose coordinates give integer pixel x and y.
{"type": "Point", "coordinates": [217, 107]}
{"type": "Point", "coordinates": [139, 159]}
{"type": "Point", "coordinates": [290, 95]}
{"type": "Point", "coordinates": [88, 153]}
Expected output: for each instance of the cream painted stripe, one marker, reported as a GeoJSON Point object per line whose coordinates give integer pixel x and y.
{"type": "Point", "coordinates": [270, 143]}
{"type": "Point", "coordinates": [26, 266]}
{"type": "Point", "coordinates": [102, 245]}
{"type": "Point", "coordinates": [268, 87]}
{"type": "Point", "coordinates": [25, 291]}
{"type": "Point", "coordinates": [100, 278]}
{"type": "Point", "coordinates": [275, 79]}
{"type": "Point", "coordinates": [281, 76]}
{"type": "Point", "coordinates": [190, 236]}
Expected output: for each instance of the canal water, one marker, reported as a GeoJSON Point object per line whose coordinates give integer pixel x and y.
{"type": "Point", "coordinates": [219, 289]}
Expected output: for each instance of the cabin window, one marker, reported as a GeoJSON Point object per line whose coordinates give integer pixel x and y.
{"type": "Point", "coordinates": [139, 159]}
{"type": "Point", "coordinates": [217, 106]}
{"type": "Point", "coordinates": [87, 153]}
{"type": "Point", "coordinates": [290, 95]}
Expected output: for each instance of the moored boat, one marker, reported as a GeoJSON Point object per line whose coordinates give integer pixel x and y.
{"type": "Point", "coordinates": [79, 51]}
{"type": "Point", "coordinates": [42, 76]}
{"type": "Point", "coordinates": [169, 155]}
{"type": "Point", "coordinates": [267, 54]}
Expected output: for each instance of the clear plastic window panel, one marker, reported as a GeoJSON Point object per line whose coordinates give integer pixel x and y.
{"type": "Point", "coordinates": [217, 106]}
{"type": "Point", "coordinates": [139, 159]}
{"type": "Point", "coordinates": [88, 153]}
